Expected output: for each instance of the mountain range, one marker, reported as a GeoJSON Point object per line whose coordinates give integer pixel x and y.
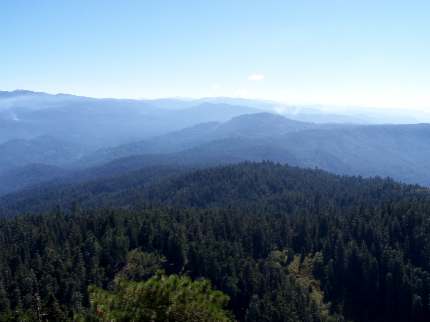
{"type": "Point", "coordinates": [69, 139]}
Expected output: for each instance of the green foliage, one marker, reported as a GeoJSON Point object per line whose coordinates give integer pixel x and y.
{"type": "Point", "coordinates": [283, 244]}
{"type": "Point", "coordinates": [141, 265]}
{"type": "Point", "coordinates": [161, 298]}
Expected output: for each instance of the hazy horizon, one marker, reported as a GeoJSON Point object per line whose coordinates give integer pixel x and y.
{"type": "Point", "coordinates": [324, 107]}
{"type": "Point", "coordinates": [339, 53]}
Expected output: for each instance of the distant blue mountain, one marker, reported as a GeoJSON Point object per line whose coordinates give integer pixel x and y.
{"type": "Point", "coordinates": [98, 123]}
{"type": "Point", "coordinates": [99, 137]}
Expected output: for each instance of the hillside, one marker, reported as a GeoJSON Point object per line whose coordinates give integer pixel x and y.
{"type": "Point", "coordinates": [26, 176]}
{"type": "Point", "coordinates": [43, 150]}
{"type": "Point", "coordinates": [169, 184]}
{"type": "Point", "coordinates": [89, 121]}
{"type": "Point", "coordinates": [277, 240]}
{"type": "Point", "coordinates": [77, 133]}
{"type": "Point", "coordinates": [398, 151]}
{"type": "Point", "coordinates": [247, 126]}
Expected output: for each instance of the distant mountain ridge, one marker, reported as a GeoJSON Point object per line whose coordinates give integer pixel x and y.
{"type": "Point", "coordinates": [99, 123]}
{"type": "Point", "coordinates": [258, 125]}
{"type": "Point", "coordinates": [93, 138]}
{"type": "Point", "coordinates": [398, 151]}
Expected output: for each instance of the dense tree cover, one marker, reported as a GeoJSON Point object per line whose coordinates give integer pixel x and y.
{"type": "Point", "coordinates": [160, 299]}
{"type": "Point", "coordinates": [250, 185]}
{"type": "Point", "coordinates": [51, 260]}
{"type": "Point", "coordinates": [112, 185]}
{"type": "Point", "coordinates": [284, 244]}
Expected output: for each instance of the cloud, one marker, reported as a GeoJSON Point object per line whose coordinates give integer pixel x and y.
{"type": "Point", "coordinates": [256, 77]}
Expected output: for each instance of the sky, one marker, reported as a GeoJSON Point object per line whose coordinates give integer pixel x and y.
{"type": "Point", "coordinates": [332, 52]}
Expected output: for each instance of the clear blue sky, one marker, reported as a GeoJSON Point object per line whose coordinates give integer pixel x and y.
{"type": "Point", "coordinates": [355, 52]}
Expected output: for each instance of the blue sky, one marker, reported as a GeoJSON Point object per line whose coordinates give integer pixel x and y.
{"type": "Point", "coordinates": [343, 52]}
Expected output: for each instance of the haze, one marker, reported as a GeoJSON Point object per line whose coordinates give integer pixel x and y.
{"type": "Point", "coordinates": [334, 53]}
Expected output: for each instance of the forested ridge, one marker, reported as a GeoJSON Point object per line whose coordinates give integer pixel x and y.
{"type": "Point", "coordinates": [281, 243]}
{"type": "Point", "coordinates": [269, 185]}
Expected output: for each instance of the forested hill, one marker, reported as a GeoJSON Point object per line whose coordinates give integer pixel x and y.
{"type": "Point", "coordinates": [279, 187]}
{"type": "Point", "coordinates": [284, 244]}
{"type": "Point", "coordinates": [248, 184]}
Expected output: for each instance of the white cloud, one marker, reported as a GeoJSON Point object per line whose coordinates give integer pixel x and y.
{"type": "Point", "coordinates": [256, 77]}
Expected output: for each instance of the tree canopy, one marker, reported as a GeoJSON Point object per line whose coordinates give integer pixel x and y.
{"type": "Point", "coordinates": [310, 247]}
